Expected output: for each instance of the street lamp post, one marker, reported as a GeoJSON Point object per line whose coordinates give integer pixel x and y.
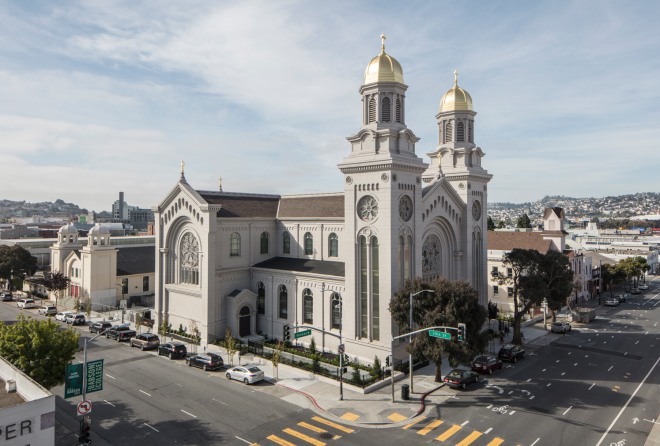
{"type": "Point", "coordinates": [410, 361]}
{"type": "Point", "coordinates": [341, 351]}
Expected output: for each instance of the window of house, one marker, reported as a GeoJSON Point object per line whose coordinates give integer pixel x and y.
{"type": "Point", "coordinates": [124, 286]}
{"type": "Point", "coordinates": [309, 244]}
{"type": "Point", "coordinates": [189, 259]}
{"type": "Point", "coordinates": [308, 306]}
{"type": "Point", "coordinates": [333, 245]}
{"type": "Point", "coordinates": [286, 243]}
{"type": "Point", "coordinates": [264, 243]}
{"type": "Point", "coordinates": [509, 272]}
{"type": "Point", "coordinates": [494, 271]}
{"type": "Point", "coordinates": [261, 298]}
{"type": "Point", "coordinates": [496, 289]}
{"type": "Point", "coordinates": [335, 301]}
{"type": "Point", "coordinates": [283, 302]}
{"type": "Point", "coordinates": [145, 283]}
{"type": "Point", "coordinates": [235, 244]}
{"type": "Point", "coordinates": [509, 292]}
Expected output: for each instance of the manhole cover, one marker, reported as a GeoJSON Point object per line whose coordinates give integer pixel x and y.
{"type": "Point", "coordinates": [325, 436]}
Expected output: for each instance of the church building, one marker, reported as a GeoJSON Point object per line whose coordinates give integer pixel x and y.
{"type": "Point", "coordinates": [330, 262]}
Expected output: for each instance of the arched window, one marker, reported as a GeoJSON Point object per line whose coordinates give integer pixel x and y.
{"type": "Point", "coordinates": [308, 307]}
{"type": "Point", "coordinates": [309, 244]}
{"type": "Point", "coordinates": [283, 302]}
{"type": "Point", "coordinates": [264, 242]}
{"type": "Point", "coordinates": [261, 298]}
{"type": "Point", "coordinates": [335, 302]}
{"type": "Point", "coordinates": [235, 244]}
{"type": "Point", "coordinates": [398, 110]}
{"type": "Point", "coordinates": [449, 132]}
{"type": "Point", "coordinates": [188, 260]}
{"type": "Point", "coordinates": [286, 243]}
{"type": "Point", "coordinates": [460, 132]}
{"type": "Point", "coordinates": [375, 290]}
{"type": "Point", "coordinates": [333, 245]}
{"type": "Point", "coordinates": [385, 110]}
{"type": "Point", "coordinates": [369, 288]}
{"type": "Point", "coordinates": [372, 110]}
{"type": "Point", "coordinates": [470, 132]}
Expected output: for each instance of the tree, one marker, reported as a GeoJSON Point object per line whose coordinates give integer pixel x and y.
{"type": "Point", "coordinates": [490, 223]}
{"type": "Point", "coordinates": [451, 303]}
{"type": "Point", "coordinates": [163, 329]}
{"type": "Point", "coordinates": [39, 348]}
{"type": "Point", "coordinates": [230, 346]}
{"type": "Point", "coordinates": [56, 282]}
{"type": "Point", "coordinates": [277, 355]}
{"type": "Point", "coordinates": [612, 275]}
{"type": "Point", "coordinates": [523, 222]}
{"type": "Point", "coordinates": [16, 263]}
{"type": "Point", "coordinates": [501, 224]}
{"type": "Point", "coordinates": [556, 276]}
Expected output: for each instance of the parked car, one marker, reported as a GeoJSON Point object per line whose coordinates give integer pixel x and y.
{"type": "Point", "coordinates": [145, 341]}
{"type": "Point", "coordinates": [6, 297]}
{"type": "Point", "coordinates": [486, 364]}
{"type": "Point", "coordinates": [511, 352]}
{"type": "Point", "coordinates": [207, 361]}
{"type": "Point", "coordinates": [461, 378]}
{"type": "Point", "coordinates": [249, 374]}
{"type": "Point", "coordinates": [75, 319]}
{"type": "Point", "coordinates": [172, 350]}
{"type": "Point", "coordinates": [643, 287]}
{"type": "Point", "coordinates": [612, 302]}
{"type": "Point", "coordinates": [120, 332]}
{"type": "Point", "coordinates": [635, 291]}
{"type": "Point", "coordinates": [99, 326]}
{"type": "Point", "coordinates": [560, 327]}
{"type": "Point", "coordinates": [26, 303]}
{"type": "Point", "coordinates": [621, 297]}
{"type": "Point", "coordinates": [61, 316]}
{"type": "Point", "coordinates": [48, 310]}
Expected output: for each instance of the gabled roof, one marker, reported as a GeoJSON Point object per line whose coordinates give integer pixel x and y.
{"type": "Point", "coordinates": [508, 240]}
{"type": "Point", "coordinates": [326, 268]}
{"type": "Point", "coordinates": [136, 260]}
{"type": "Point", "coordinates": [235, 205]}
{"type": "Point", "coordinates": [314, 206]}
{"type": "Point", "coordinates": [559, 212]}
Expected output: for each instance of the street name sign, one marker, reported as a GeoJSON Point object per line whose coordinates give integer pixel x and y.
{"type": "Point", "coordinates": [439, 334]}
{"type": "Point", "coordinates": [303, 333]}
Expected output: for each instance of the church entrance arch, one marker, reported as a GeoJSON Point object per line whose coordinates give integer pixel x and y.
{"type": "Point", "coordinates": [244, 321]}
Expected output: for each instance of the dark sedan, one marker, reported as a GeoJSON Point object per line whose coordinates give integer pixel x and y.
{"type": "Point", "coordinates": [486, 364]}
{"type": "Point", "coordinates": [206, 361]}
{"type": "Point", "coordinates": [173, 350]}
{"type": "Point", "coordinates": [459, 378]}
{"type": "Point", "coordinates": [511, 352]}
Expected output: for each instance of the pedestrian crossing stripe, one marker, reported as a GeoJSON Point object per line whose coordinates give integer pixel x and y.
{"type": "Point", "coordinates": [280, 441]}
{"type": "Point", "coordinates": [448, 433]}
{"type": "Point", "coordinates": [429, 427]}
{"type": "Point", "coordinates": [348, 430]}
{"type": "Point", "coordinates": [469, 439]}
{"type": "Point", "coordinates": [396, 417]}
{"type": "Point", "coordinates": [311, 427]}
{"type": "Point", "coordinates": [303, 437]}
{"type": "Point", "coordinates": [497, 441]}
{"type": "Point", "coordinates": [350, 416]}
{"type": "Point", "coordinates": [408, 426]}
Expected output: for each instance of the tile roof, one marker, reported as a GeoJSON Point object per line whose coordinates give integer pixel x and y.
{"type": "Point", "coordinates": [326, 268]}
{"type": "Point", "coordinates": [316, 206]}
{"type": "Point", "coordinates": [136, 260]}
{"type": "Point", "coordinates": [235, 205]}
{"type": "Point", "coordinates": [508, 240]}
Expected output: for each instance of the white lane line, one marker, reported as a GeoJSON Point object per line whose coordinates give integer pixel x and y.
{"type": "Point", "coordinates": [531, 397]}
{"type": "Point", "coordinates": [591, 386]}
{"type": "Point", "coordinates": [566, 411]}
{"type": "Point", "coordinates": [106, 401]}
{"type": "Point", "coordinates": [544, 370]}
{"type": "Point", "coordinates": [151, 427]}
{"type": "Point", "coordinates": [537, 440]}
{"type": "Point", "coordinates": [177, 384]}
{"type": "Point", "coordinates": [563, 373]}
{"type": "Point", "coordinates": [637, 342]}
{"type": "Point", "coordinates": [489, 406]}
{"type": "Point", "coordinates": [575, 364]}
{"type": "Point", "coordinates": [625, 354]}
{"type": "Point", "coordinates": [529, 379]}
{"type": "Point", "coordinates": [188, 413]}
{"type": "Point", "coordinates": [248, 442]}
{"type": "Point", "coordinates": [549, 384]}
{"type": "Point", "coordinates": [510, 392]}
{"type": "Point", "coordinates": [221, 402]}
{"type": "Point", "coordinates": [512, 412]}
{"type": "Point", "coordinates": [488, 430]}
{"type": "Point", "coordinates": [610, 368]}
{"type": "Point", "coordinates": [557, 361]}
{"type": "Point", "coordinates": [628, 402]}
{"type": "Point", "coordinates": [465, 422]}
{"type": "Point", "coordinates": [109, 376]}
{"type": "Point", "coordinates": [144, 392]}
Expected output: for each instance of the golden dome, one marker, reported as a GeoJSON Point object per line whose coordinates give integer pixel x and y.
{"type": "Point", "coordinates": [383, 68]}
{"type": "Point", "coordinates": [456, 98]}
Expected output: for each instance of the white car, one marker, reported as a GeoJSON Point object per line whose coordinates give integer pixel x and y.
{"type": "Point", "coordinates": [48, 310]}
{"type": "Point", "coordinates": [561, 327]}
{"type": "Point", "coordinates": [26, 303]}
{"type": "Point", "coordinates": [643, 287]}
{"type": "Point", "coordinates": [249, 374]}
{"type": "Point", "coordinates": [612, 302]}
{"type": "Point", "coordinates": [61, 316]}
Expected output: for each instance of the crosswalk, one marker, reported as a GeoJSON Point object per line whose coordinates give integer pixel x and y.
{"type": "Point", "coordinates": [318, 431]}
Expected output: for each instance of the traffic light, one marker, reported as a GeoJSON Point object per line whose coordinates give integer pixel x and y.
{"type": "Point", "coordinates": [85, 426]}
{"type": "Point", "coordinates": [387, 361]}
{"type": "Point", "coordinates": [461, 332]}
{"type": "Point", "coordinates": [286, 333]}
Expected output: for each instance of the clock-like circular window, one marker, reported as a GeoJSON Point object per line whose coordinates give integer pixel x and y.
{"type": "Point", "coordinates": [476, 210]}
{"type": "Point", "coordinates": [405, 208]}
{"type": "Point", "coordinates": [367, 208]}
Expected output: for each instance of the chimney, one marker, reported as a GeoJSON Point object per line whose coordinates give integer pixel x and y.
{"type": "Point", "coordinates": [10, 386]}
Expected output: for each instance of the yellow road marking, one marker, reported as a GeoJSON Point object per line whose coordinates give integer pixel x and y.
{"type": "Point", "coordinates": [408, 426]}
{"type": "Point", "coordinates": [429, 427]}
{"type": "Point", "coordinates": [396, 417]}
{"type": "Point", "coordinates": [497, 441]}
{"type": "Point", "coordinates": [280, 441]}
{"type": "Point", "coordinates": [348, 430]}
{"type": "Point", "coordinates": [350, 416]}
{"type": "Point", "coordinates": [469, 439]}
{"type": "Point", "coordinates": [311, 427]}
{"type": "Point", "coordinates": [448, 433]}
{"type": "Point", "coordinates": [303, 437]}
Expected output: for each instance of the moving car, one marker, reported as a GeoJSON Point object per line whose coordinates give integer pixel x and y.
{"type": "Point", "coordinates": [612, 302]}
{"type": "Point", "coordinates": [145, 341]}
{"type": "Point", "coordinates": [75, 319]}
{"type": "Point", "coordinates": [249, 374]}
{"type": "Point", "coordinates": [172, 350]}
{"type": "Point", "coordinates": [120, 332]}
{"type": "Point", "coordinates": [621, 297]}
{"type": "Point", "coordinates": [206, 361]}
{"type": "Point", "coordinates": [560, 327]}
{"type": "Point", "coordinates": [61, 316]}
{"type": "Point", "coordinates": [511, 352]}
{"type": "Point", "coordinates": [26, 303]}
{"type": "Point", "coordinates": [48, 310]}
{"type": "Point", "coordinates": [461, 378]}
{"type": "Point", "coordinates": [486, 364]}
{"type": "Point", "coordinates": [99, 326]}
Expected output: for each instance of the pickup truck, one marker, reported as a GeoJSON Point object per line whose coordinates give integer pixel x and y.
{"type": "Point", "coordinates": [120, 333]}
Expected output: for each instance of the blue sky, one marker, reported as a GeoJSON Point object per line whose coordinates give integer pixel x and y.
{"type": "Point", "coordinates": [102, 97]}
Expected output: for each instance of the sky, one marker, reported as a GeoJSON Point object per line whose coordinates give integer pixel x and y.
{"type": "Point", "coordinates": [98, 97]}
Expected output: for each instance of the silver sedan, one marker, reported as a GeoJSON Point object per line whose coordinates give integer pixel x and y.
{"type": "Point", "coordinates": [249, 374]}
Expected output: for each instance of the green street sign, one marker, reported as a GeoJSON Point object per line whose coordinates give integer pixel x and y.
{"type": "Point", "coordinates": [73, 380]}
{"type": "Point", "coordinates": [94, 376]}
{"type": "Point", "coordinates": [439, 334]}
{"type": "Point", "coordinates": [303, 333]}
